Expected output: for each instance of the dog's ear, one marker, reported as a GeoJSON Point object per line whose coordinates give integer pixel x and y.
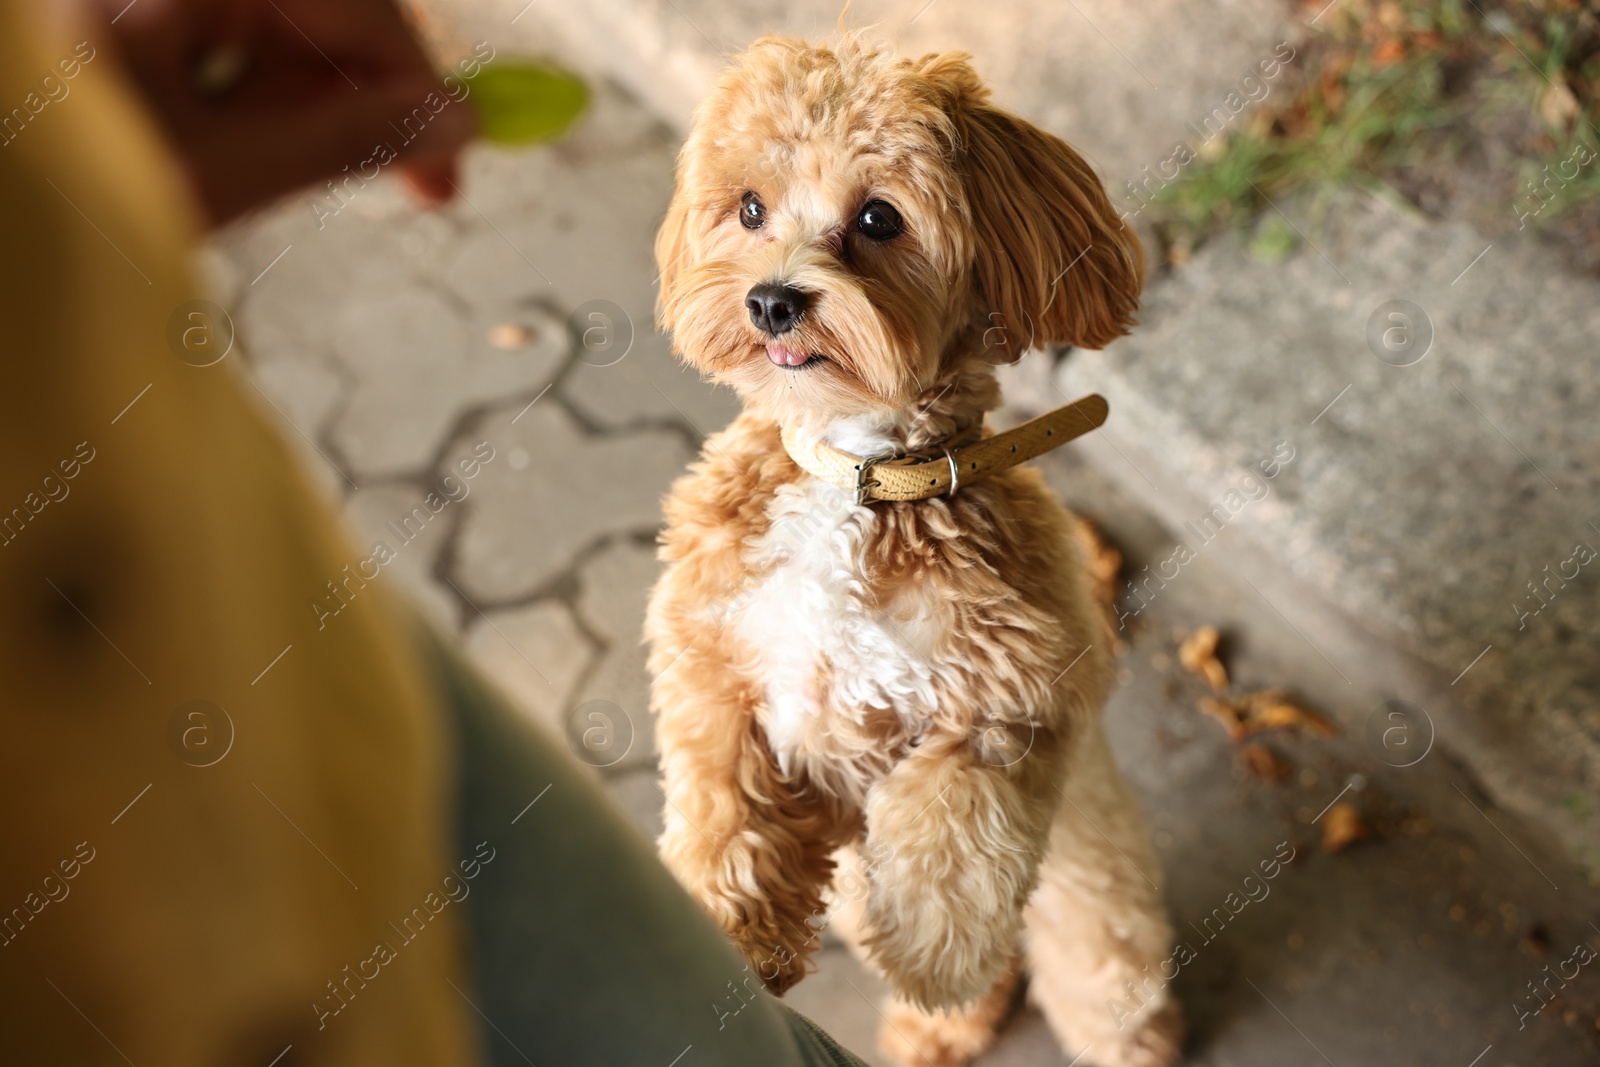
{"type": "Point", "coordinates": [1054, 263]}
{"type": "Point", "coordinates": [672, 247]}
{"type": "Point", "coordinates": [1053, 259]}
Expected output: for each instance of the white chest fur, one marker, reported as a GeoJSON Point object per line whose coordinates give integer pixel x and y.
{"type": "Point", "coordinates": [830, 654]}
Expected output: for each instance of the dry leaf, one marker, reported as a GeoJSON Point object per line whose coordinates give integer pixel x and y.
{"type": "Point", "coordinates": [1226, 714]}
{"type": "Point", "coordinates": [1271, 709]}
{"type": "Point", "coordinates": [1104, 561]}
{"type": "Point", "coordinates": [1390, 51]}
{"type": "Point", "coordinates": [1331, 84]}
{"type": "Point", "coordinates": [1213, 148]}
{"type": "Point", "coordinates": [1265, 709]}
{"type": "Point", "coordinates": [1341, 827]}
{"type": "Point", "coordinates": [1264, 763]}
{"type": "Point", "coordinates": [1104, 564]}
{"type": "Point", "coordinates": [510, 336]}
{"type": "Point", "coordinates": [1198, 654]}
{"type": "Point", "coordinates": [1558, 106]}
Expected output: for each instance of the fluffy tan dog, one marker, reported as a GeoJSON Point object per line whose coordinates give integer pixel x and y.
{"type": "Point", "coordinates": [855, 243]}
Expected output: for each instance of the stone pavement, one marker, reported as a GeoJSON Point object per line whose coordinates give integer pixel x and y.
{"type": "Point", "coordinates": [514, 327]}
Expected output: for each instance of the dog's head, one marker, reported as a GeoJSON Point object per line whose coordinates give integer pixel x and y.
{"type": "Point", "coordinates": [847, 225]}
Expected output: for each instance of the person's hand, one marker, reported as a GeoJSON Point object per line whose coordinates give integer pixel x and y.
{"type": "Point", "coordinates": [262, 97]}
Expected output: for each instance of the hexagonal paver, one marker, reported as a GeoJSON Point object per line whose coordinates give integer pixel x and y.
{"type": "Point", "coordinates": [305, 391]}
{"type": "Point", "coordinates": [417, 361]}
{"type": "Point", "coordinates": [536, 654]}
{"type": "Point", "coordinates": [577, 225]}
{"type": "Point", "coordinates": [613, 589]}
{"type": "Point", "coordinates": [551, 491]}
{"type": "Point", "coordinates": [398, 517]}
{"type": "Point", "coordinates": [649, 383]}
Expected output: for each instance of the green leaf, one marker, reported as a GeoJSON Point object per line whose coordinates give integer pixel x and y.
{"type": "Point", "coordinates": [521, 102]}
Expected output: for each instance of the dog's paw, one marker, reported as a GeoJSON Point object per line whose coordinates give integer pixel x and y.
{"type": "Point", "coordinates": [778, 963]}
{"type": "Point", "coordinates": [913, 1038]}
{"type": "Point", "coordinates": [775, 929]}
{"type": "Point", "coordinates": [1156, 1042]}
{"type": "Point", "coordinates": [937, 946]}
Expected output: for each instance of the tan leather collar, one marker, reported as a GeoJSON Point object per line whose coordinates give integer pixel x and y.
{"type": "Point", "coordinates": [941, 471]}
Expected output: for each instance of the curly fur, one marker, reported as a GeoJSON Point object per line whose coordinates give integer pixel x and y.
{"type": "Point", "coordinates": [915, 683]}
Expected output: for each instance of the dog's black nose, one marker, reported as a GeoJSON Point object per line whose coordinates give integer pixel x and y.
{"type": "Point", "coordinates": [775, 308]}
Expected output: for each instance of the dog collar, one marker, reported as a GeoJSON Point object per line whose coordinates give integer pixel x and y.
{"type": "Point", "coordinates": [940, 471]}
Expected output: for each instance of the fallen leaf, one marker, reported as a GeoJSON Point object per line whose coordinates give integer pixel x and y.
{"type": "Point", "coordinates": [1104, 564]}
{"type": "Point", "coordinates": [1390, 51]}
{"type": "Point", "coordinates": [1331, 83]}
{"type": "Point", "coordinates": [1272, 709]}
{"type": "Point", "coordinates": [1264, 763]}
{"type": "Point", "coordinates": [1557, 105]}
{"type": "Point", "coordinates": [1226, 714]}
{"type": "Point", "coordinates": [1213, 148]}
{"type": "Point", "coordinates": [1342, 827]}
{"type": "Point", "coordinates": [1198, 653]}
{"type": "Point", "coordinates": [510, 336]}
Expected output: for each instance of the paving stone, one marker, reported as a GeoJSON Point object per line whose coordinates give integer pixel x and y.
{"type": "Point", "coordinates": [526, 526]}
{"type": "Point", "coordinates": [844, 997]}
{"type": "Point", "coordinates": [296, 275]}
{"type": "Point", "coordinates": [649, 385]}
{"type": "Point", "coordinates": [575, 226]}
{"type": "Point", "coordinates": [397, 518]}
{"type": "Point", "coordinates": [537, 654]}
{"type": "Point", "coordinates": [305, 391]}
{"type": "Point", "coordinates": [300, 395]}
{"type": "Point", "coordinates": [416, 356]}
{"type": "Point", "coordinates": [417, 362]}
{"type": "Point", "coordinates": [613, 589]}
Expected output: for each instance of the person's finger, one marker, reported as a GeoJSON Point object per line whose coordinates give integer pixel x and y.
{"type": "Point", "coordinates": [435, 183]}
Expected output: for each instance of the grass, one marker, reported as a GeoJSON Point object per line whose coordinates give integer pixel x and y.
{"type": "Point", "coordinates": [1411, 96]}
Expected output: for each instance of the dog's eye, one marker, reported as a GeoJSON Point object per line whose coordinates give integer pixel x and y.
{"type": "Point", "coordinates": [879, 221]}
{"type": "Point", "coordinates": [752, 212]}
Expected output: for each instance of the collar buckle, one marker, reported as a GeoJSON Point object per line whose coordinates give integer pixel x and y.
{"type": "Point", "coordinates": [862, 484]}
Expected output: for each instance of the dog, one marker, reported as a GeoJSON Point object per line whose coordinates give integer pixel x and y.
{"type": "Point", "coordinates": [898, 694]}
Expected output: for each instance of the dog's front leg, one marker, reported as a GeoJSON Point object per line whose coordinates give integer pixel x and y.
{"type": "Point", "coordinates": [957, 841]}
{"type": "Point", "coordinates": [745, 841]}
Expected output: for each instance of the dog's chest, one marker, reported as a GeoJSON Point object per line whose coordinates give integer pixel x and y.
{"type": "Point", "coordinates": [846, 669]}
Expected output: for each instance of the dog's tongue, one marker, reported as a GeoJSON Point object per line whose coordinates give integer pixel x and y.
{"type": "Point", "coordinates": [784, 356]}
